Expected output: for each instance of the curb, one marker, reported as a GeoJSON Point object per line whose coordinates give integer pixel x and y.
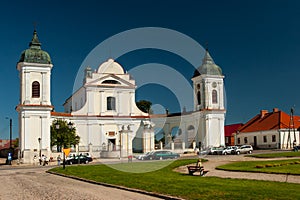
{"type": "Point", "coordinates": [162, 196]}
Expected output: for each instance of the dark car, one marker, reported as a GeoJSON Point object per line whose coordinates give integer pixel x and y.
{"type": "Point", "coordinates": [296, 148]}
{"type": "Point", "coordinates": [160, 155]}
{"type": "Point", "coordinates": [78, 160]}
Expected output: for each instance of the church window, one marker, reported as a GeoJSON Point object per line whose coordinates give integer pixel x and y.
{"type": "Point", "coordinates": [35, 89]}
{"type": "Point", "coordinates": [111, 103]}
{"type": "Point", "coordinates": [214, 96]}
{"type": "Point", "coordinates": [245, 140]}
{"type": "Point", "coordinates": [111, 82]}
{"type": "Point", "coordinates": [199, 97]}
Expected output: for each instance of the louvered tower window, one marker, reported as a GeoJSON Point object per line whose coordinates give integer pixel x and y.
{"type": "Point", "coordinates": [214, 96]}
{"type": "Point", "coordinates": [35, 89]}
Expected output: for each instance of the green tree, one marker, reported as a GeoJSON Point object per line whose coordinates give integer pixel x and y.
{"type": "Point", "coordinates": [63, 136]}
{"type": "Point", "coordinates": [15, 144]}
{"type": "Point", "coordinates": [144, 106]}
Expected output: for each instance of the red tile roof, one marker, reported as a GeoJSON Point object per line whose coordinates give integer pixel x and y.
{"type": "Point", "coordinates": [270, 121]}
{"type": "Point", "coordinates": [232, 128]}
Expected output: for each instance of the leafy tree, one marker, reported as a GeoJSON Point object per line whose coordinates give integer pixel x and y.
{"type": "Point", "coordinates": [144, 106]}
{"type": "Point", "coordinates": [63, 136]}
{"type": "Point", "coordinates": [15, 143]}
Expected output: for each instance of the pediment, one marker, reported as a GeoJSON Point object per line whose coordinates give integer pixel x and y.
{"type": "Point", "coordinates": [110, 80]}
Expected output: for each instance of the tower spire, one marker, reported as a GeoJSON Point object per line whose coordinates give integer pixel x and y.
{"type": "Point", "coordinates": [35, 43]}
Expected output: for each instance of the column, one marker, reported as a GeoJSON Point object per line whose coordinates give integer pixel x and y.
{"type": "Point", "coordinates": [118, 106]}
{"type": "Point", "coordinates": [43, 89]}
{"type": "Point", "coordinates": [102, 109]}
{"type": "Point", "coordinates": [131, 102]}
{"type": "Point", "coordinates": [27, 87]}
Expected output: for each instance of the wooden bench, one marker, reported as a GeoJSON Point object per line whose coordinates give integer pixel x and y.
{"type": "Point", "coordinates": [193, 169]}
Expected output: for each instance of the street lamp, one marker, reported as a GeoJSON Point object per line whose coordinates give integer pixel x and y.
{"type": "Point", "coordinates": [40, 149]}
{"type": "Point", "coordinates": [64, 157]}
{"type": "Point", "coordinates": [10, 132]}
{"type": "Point", "coordinates": [9, 157]}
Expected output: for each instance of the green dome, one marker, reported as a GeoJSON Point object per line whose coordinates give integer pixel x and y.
{"type": "Point", "coordinates": [35, 54]}
{"type": "Point", "coordinates": [208, 67]}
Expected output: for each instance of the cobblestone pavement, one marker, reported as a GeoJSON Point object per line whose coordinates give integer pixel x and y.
{"type": "Point", "coordinates": [34, 184]}
{"type": "Point", "coordinates": [217, 160]}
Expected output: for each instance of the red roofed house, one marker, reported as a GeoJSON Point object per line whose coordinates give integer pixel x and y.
{"type": "Point", "coordinates": [230, 131]}
{"type": "Point", "coordinates": [266, 130]}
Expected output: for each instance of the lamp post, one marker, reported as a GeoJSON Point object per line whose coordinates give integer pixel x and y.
{"type": "Point", "coordinates": [64, 158]}
{"type": "Point", "coordinates": [40, 149]}
{"type": "Point", "coordinates": [9, 157]}
{"type": "Point", "coordinates": [10, 132]}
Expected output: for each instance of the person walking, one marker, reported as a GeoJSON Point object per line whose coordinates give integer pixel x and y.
{"type": "Point", "coordinates": [58, 160]}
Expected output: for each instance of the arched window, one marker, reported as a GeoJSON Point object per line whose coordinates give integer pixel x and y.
{"type": "Point", "coordinates": [35, 89]}
{"type": "Point", "coordinates": [111, 103]}
{"type": "Point", "coordinates": [214, 96]}
{"type": "Point", "coordinates": [199, 98]}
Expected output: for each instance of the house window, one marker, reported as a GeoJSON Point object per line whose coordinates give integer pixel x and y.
{"type": "Point", "coordinates": [265, 138]}
{"type": "Point", "coordinates": [227, 140]}
{"type": "Point", "coordinates": [245, 140]}
{"type": "Point", "coordinates": [199, 97]}
{"type": "Point", "coordinates": [273, 138]}
{"type": "Point", "coordinates": [35, 89]}
{"type": "Point", "coordinates": [239, 141]}
{"type": "Point", "coordinates": [111, 103]}
{"type": "Point", "coordinates": [214, 96]}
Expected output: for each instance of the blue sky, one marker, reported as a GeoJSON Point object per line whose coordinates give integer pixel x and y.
{"type": "Point", "coordinates": [256, 43]}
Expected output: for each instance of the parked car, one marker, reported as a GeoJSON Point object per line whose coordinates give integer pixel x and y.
{"type": "Point", "coordinates": [79, 159]}
{"type": "Point", "coordinates": [296, 148]}
{"type": "Point", "coordinates": [244, 149]}
{"type": "Point", "coordinates": [160, 155]}
{"type": "Point", "coordinates": [142, 156]}
{"type": "Point", "coordinates": [229, 150]}
{"type": "Point", "coordinates": [216, 150]}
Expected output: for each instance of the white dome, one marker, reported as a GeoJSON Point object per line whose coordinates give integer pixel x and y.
{"type": "Point", "coordinates": [110, 67]}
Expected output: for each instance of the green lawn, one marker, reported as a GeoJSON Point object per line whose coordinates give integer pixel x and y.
{"type": "Point", "coordinates": [276, 155]}
{"type": "Point", "coordinates": [166, 181]}
{"type": "Point", "coordinates": [275, 166]}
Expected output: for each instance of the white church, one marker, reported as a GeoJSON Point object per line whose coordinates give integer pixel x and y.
{"type": "Point", "coordinates": [104, 112]}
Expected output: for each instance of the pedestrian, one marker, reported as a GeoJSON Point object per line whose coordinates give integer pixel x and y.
{"type": "Point", "coordinates": [44, 160]}
{"type": "Point", "coordinates": [294, 143]}
{"type": "Point", "coordinates": [40, 160]}
{"type": "Point", "coordinates": [58, 160]}
{"type": "Point", "coordinates": [34, 160]}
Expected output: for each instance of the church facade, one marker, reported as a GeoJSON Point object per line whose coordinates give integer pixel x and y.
{"type": "Point", "coordinates": [104, 112]}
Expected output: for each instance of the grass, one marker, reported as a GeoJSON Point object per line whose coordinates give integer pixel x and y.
{"type": "Point", "coordinates": [276, 155]}
{"type": "Point", "coordinates": [166, 181]}
{"type": "Point", "coordinates": [291, 166]}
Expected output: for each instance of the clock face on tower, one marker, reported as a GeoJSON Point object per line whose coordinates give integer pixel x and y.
{"type": "Point", "coordinates": [214, 84]}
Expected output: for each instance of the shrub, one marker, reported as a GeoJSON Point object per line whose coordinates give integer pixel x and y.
{"type": "Point", "coordinates": [269, 165]}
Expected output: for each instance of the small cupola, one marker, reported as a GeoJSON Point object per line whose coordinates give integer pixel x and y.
{"type": "Point", "coordinates": [35, 54]}
{"type": "Point", "coordinates": [208, 67]}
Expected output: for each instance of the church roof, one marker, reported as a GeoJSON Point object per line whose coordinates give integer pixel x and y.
{"type": "Point", "coordinates": [34, 54]}
{"type": "Point", "coordinates": [208, 67]}
{"type": "Point", "coordinates": [110, 67]}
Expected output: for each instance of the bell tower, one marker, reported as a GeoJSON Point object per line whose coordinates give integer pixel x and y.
{"type": "Point", "coordinates": [35, 106]}
{"type": "Point", "coordinates": [209, 100]}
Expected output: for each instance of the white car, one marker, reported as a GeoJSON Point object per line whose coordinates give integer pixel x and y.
{"type": "Point", "coordinates": [244, 149]}
{"type": "Point", "coordinates": [229, 150]}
